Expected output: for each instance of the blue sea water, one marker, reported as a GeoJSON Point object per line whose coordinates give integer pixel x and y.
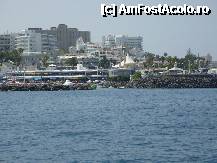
{"type": "Point", "coordinates": [109, 125]}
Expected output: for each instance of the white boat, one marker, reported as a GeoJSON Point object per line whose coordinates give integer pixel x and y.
{"type": "Point", "coordinates": [67, 83]}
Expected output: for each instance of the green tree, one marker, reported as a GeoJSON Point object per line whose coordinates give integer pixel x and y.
{"type": "Point", "coordinates": [202, 62]}
{"type": "Point", "coordinates": [44, 60]}
{"type": "Point", "coordinates": [137, 75]}
{"type": "Point", "coordinates": [149, 57]}
{"type": "Point", "coordinates": [72, 62]}
{"type": "Point", "coordinates": [190, 60]}
{"type": "Point", "coordinates": [162, 59]}
{"type": "Point", "coordinates": [20, 50]}
{"type": "Point", "coordinates": [145, 65]}
{"type": "Point", "coordinates": [171, 61]}
{"type": "Point", "coordinates": [62, 51]}
{"type": "Point", "coordinates": [2, 57]}
{"type": "Point", "coordinates": [104, 63]}
{"type": "Point", "coordinates": [14, 57]}
{"type": "Point", "coordinates": [157, 57]}
{"type": "Point", "coordinates": [165, 54]}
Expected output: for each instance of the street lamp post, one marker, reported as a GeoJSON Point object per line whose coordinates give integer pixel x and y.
{"type": "Point", "coordinates": [24, 75]}
{"type": "Point", "coordinates": [189, 66]}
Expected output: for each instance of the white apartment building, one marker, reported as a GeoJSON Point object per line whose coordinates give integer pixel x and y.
{"type": "Point", "coordinates": [128, 42]}
{"type": "Point", "coordinates": [108, 41]}
{"type": "Point", "coordinates": [5, 42]}
{"type": "Point", "coordinates": [48, 43]}
{"type": "Point", "coordinates": [208, 58]}
{"type": "Point", "coordinates": [35, 43]}
{"type": "Point", "coordinates": [30, 42]}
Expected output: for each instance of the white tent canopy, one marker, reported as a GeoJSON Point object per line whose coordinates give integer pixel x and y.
{"type": "Point", "coordinates": [129, 60]}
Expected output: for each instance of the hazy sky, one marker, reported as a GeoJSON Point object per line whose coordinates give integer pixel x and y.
{"type": "Point", "coordinates": [172, 34]}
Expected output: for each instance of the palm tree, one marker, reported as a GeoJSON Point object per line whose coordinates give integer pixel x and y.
{"type": "Point", "coordinates": [20, 50]}
{"type": "Point", "coordinates": [149, 57]}
{"type": "Point", "coordinates": [191, 58]}
{"type": "Point", "coordinates": [171, 61]}
{"type": "Point", "coordinates": [18, 57]}
{"type": "Point", "coordinates": [162, 59]}
{"type": "Point", "coordinates": [2, 57]}
{"type": "Point", "coordinates": [44, 60]}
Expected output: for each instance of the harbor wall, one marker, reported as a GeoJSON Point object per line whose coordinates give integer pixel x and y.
{"type": "Point", "coordinates": [170, 81]}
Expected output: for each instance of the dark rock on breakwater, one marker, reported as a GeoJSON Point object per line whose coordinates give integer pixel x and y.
{"type": "Point", "coordinates": [164, 81]}
{"type": "Point", "coordinates": [175, 81]}
{"type": "Point", "coordinates": [43, 87]}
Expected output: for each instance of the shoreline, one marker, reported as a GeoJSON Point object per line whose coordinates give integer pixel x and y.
{"type": "Point", "coordinates": [176, 81]}
{"type": "Point", "coordinates": [164, 82]}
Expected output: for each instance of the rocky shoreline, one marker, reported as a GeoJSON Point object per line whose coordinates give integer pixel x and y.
{"type": "Point", "coordinates": [178, 81]}
{"type": "Point", "coordinates": [45, 87]}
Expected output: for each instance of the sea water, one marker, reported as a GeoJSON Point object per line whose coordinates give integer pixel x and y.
{"type": "Point", "coordinates": [109, 125]}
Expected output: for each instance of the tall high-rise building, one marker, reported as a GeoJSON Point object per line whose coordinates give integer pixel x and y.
{"type": "Point", "coordinates": [62, 36]}
{"type": "Point", "coordinates": [73, 35]}
{"type": "Point", "coordinates": [66, 37]}
{"type": "Point", "coordinates": [85, 35]}
{"type": "Point", "coordinates": [48, 43]}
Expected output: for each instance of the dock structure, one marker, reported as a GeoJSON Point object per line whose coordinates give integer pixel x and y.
{"type": "Point", "coordinates": [57, 75]}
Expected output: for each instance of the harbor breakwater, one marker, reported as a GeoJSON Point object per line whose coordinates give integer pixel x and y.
{"type": "Point", "coordinates": [45, 87]}
{"type": "Point", "coordinates": [171, 81]}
